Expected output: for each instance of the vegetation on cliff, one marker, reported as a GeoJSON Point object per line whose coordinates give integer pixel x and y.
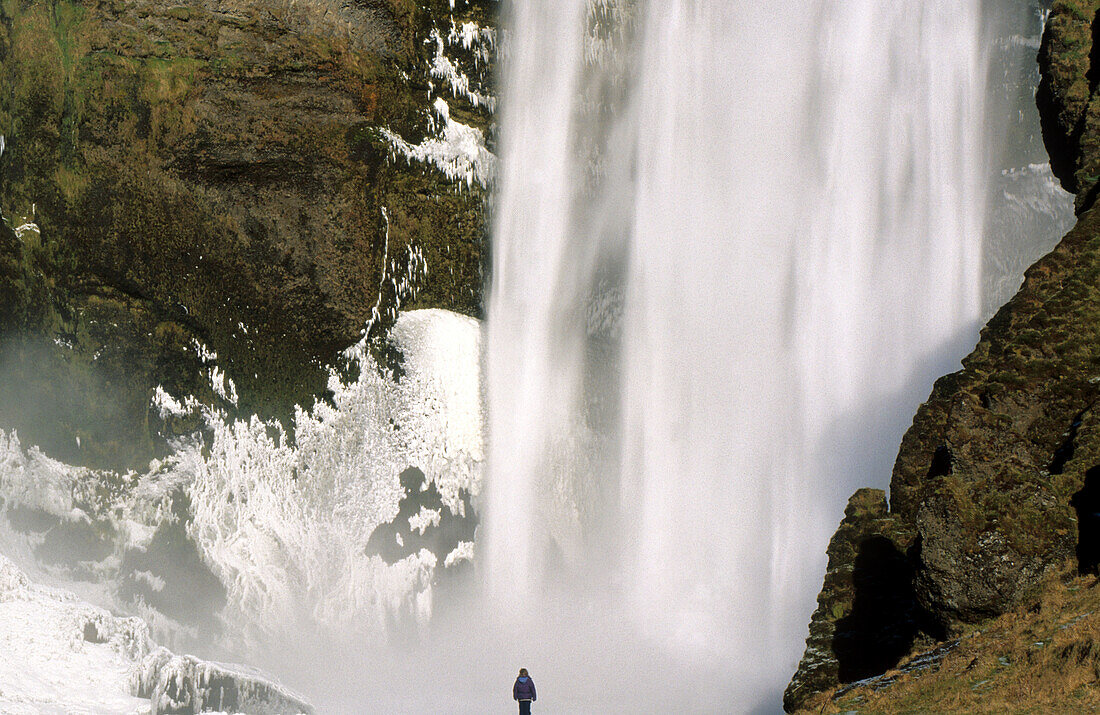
{"type": "Point", "coordinates": [1038, 658]}
{"type": "Point", "coordinates": [1066, 97]}
{"type": "Point", "coordinates": [214, 174]}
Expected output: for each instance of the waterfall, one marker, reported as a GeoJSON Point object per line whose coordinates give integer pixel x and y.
{"type": "Point", "coordinates": [733, 245]}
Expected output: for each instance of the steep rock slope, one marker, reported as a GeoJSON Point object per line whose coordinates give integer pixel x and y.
{"type": "Point", "coordinates": [996, 482]}
{"type": "Point", "coordinates": [218, 184]}
{"type": "Point", "coordinates": [1067, 97]}
{"type": "Point", "coordinates": [1039, 658]}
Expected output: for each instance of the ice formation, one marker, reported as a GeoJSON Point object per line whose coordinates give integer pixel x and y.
{"type": "Point", "coordinates": [60, 654]}
{"type": "Point", "coordinates": [282, 519]}
{"type": "Point", "coordinates": [460, 152]}
{"type": "Point", "coordinates": [457, 150]}
{"type": "Point", "coordinates": [445, 69]}
{"type": "Point", "coordinates": [285, 522]}
{"type": "Point", "coordinates": [481, 41]}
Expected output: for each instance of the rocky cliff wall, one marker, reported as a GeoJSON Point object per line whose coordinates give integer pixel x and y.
{"type": "Point", "coordinates": [216, 185]}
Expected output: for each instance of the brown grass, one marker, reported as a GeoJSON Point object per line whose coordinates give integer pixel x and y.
{"type": "Point", "coordinates": [1044, 658]}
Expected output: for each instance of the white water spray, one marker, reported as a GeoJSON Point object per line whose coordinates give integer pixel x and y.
{"type": "Point", "coordinates": [783, 205]}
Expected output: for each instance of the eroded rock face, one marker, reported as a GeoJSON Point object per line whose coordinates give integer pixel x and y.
{"type": "Point", "coordinates": [867, 616]}
{"type": "Point", "coordinates": [215, 172]}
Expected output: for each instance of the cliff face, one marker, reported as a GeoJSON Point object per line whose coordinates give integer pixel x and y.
{"type": "Point", "coordinates": [995, 485]}
{"type": "Point", "coordinates": [1067, 97]}
{"type": "Point", "coordinates": [224, 174]}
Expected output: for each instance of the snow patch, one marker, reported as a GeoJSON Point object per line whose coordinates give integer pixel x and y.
{"type": "Point", "coordinates": [205, 354]}
{"type": "Point", "coordinates": [61, 655]}
{"type": "Point", "coordinates": [460, 154]}
{"type": "Point", "coordinates": [426, 519]}
{"type": "Point", "coordinates": [463, 552]}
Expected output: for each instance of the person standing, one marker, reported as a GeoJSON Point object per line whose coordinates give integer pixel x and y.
{"type": "Point", "coordinates": [524, 692]}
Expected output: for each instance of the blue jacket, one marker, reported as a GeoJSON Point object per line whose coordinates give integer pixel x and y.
{"type": "Point", "coordinates": [524, 689]}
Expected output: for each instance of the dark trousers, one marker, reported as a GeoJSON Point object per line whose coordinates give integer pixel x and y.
{"type": "Point", "coordinates": [524, 707]}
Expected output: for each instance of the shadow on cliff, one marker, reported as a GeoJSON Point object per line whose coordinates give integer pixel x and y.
{"type": "Point", "coordinates": [885, 618]}
{"type": "Point", "coordinates": [1086, 503]}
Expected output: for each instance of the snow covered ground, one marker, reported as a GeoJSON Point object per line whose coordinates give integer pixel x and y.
{"type": "Point", "coordinates": [279, 520]}
{"type": "Point", "coordinates": [61, 655]}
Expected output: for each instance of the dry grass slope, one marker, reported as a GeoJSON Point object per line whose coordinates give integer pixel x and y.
{"type": "Point", "coordinates": [1040, 658]}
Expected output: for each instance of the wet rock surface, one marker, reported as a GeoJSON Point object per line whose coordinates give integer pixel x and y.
{"type": "Point", "coordinates": [1067, 98]}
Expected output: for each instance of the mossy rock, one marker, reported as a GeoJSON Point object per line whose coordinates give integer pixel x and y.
{"type": "Point", "coordinates": [214, 173]}
{"type": "Point", "coordinates": [1067, 97]}
{"type": "Point", "coordinates": [867, 615]}
{"type": "Point", "coordinates": [989, 487]}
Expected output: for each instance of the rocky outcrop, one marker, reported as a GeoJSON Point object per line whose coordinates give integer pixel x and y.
{"type": "Point", "coordinates": [1041, 657]}
{"type": "Point", "coordinates": [867, 617]}
{"type": "Point", "coordinates": [987, 473]}
{"type": "Point", "coordinates": [995, 485]}
{"type": "Point", "coordinates": [218, 173]}
{"type": "Point", "coordinates": [1067, 97]}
